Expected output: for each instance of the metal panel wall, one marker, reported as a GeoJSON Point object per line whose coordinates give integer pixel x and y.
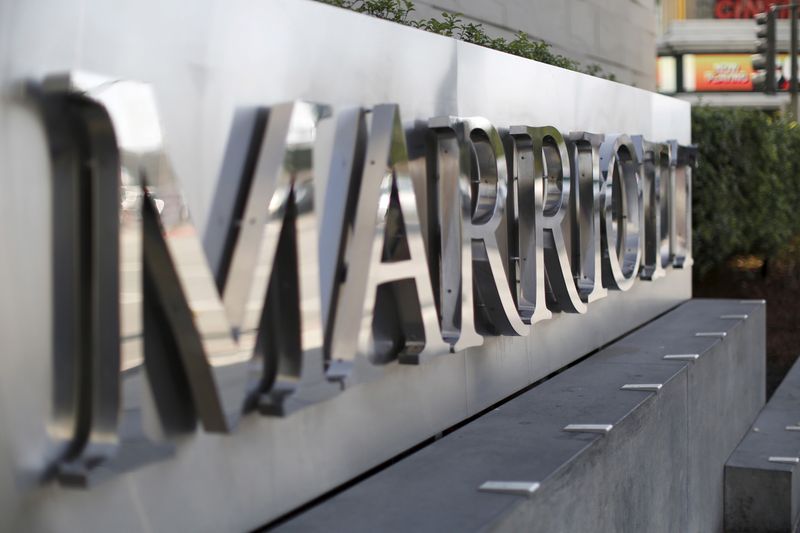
{"type": "Point", "coordinates": [206, 61]}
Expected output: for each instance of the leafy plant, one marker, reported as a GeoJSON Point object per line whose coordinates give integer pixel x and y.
{"type": "Point", "coordinates": [746, 191]}
{"type": "Point", "coordinates": [452, 25]}
{"type": "Point", "coordinates": [394, 10]}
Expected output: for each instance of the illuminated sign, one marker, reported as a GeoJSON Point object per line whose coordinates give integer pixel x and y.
{"type": "Point", "coordinates": [714, 73]}
{"type": "Point", "coordinates": [722, 72]}
{"type": "Point", "coordinates": [746, 9]}
{"type": "Point", "coordinates": [666, 74]}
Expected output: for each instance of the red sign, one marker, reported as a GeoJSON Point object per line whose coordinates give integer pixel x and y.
{"type": "Point", "coordinates": [746, 9]}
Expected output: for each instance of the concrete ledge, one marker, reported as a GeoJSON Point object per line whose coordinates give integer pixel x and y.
{"type": "Point", "coordinates": [659, 467]}
{"type": "Point", "coordinates": [762, 478]}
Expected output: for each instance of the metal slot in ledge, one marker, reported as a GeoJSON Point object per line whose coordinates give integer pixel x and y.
{"type": "Point", "coordinates": [719, 334]}
{"type": "Point", "coordinates": [792, 428]}
{"type": "Point", "coordinates": [785, 460]}
{"type": "Point", "coordinates": [734, 317]}
{"type": "Point", "coordinates": [589, 428]}
{"type": "Point", "coordinates": [752, 301]}
{"type": "Point", "coordinates": [649, 387]}
{"type": "Point", "coordinates": [682, 357]}
{"type": "Point", "coordinates": [523, 488]}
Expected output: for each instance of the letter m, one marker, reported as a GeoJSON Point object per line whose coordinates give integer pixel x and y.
{"type": "Point", "coordinates": [234, 325]}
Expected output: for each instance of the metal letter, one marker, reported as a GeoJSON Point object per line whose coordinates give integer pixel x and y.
{"type": "Point", "coordinates": [654, 172]}
{"type": "Point", "coordinates": [684, 160]}
{"type": "Point", "coordinates": [666, 237]}
{"type": "Point", "coordinates": [587, 182]}
{"type": "Point", "coordinates": [275, 252]}
{"type": "Point", "coordinates": [527, 241]}
{"type": "Point", "coordinates": [383, 307]}
{"type": "Point", "coordinates": [482, 201]}
{"type": "Point", "coordinates": [620, 212]}
{"type": "Point", "coordinates": [141, 219]}
{"type": "Point", "coordinates": [450, 230]}
{"type": "Point", "coordinates": [551, 166]}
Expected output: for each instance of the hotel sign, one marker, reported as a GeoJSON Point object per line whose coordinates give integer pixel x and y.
{"type": "Point", "coordinates": [251, 260]}
{"type": "Point", "coordinates": [489, 233]}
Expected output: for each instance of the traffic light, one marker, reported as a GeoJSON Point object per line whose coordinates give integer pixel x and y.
{"type": "Point", "coordinates": [763, 76]}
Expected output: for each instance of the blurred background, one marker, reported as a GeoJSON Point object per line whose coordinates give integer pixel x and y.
{"type": "Point", "coordinates": [713, 53]}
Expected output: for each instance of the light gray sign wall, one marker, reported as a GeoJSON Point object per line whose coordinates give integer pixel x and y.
{"type": "Point", "coordinates": [205, 64]}
{"type": "Point", "coordinates": [617, 35]}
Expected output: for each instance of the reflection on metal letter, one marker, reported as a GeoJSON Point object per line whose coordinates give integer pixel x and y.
{"type": "Point", "coordinates": [527, 242]}
{"type": "Point", "coordinates": [451, 245]}
{"type": "Point", "coordinates": [551, 162]}
{"type": "Point", "coordinates": [620, 212]}
{"type": "Point", "coordinates": [157, 261]}
{"type": "Point", "coordinates": [587, 185]}
{"type": "Point", "coordinates": [684, 159]}
{"type": "Point", "coordinates": [652, 176]}
{"type": "Point", "coordinates": [384, 307]}
{"type": "Point", "coordinates": [483, 194]}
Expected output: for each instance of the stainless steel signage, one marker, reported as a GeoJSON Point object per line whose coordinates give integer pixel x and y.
{"type": "Point", "coordinates": [248, 268]}
{"type": "Point", "coordinates": [503, 250]}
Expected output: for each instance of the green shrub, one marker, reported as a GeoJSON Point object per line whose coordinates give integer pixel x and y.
{"type": "Point", "coordinates": [452, 25]}
{"type": "Point", "coordinates": [746, 192]}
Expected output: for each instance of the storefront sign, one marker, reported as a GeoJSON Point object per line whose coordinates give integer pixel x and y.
{"type": "Point", "coordinates": [723, 72]}
{"type": "Point", "coordinates": [746, 9]}
{"type": "Point", "coordinates": [720, 72]}
{"type": "Point", "coordinates": [667, 74]}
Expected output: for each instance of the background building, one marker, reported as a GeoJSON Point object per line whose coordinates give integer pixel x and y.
{"type": "Point", "coordinates": [704, 52]}
{"type": "Point", "coordinates": [588, 31]}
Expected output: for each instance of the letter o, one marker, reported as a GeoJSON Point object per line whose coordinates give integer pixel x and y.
{"type": "Point", "coordinates": [621, 212]}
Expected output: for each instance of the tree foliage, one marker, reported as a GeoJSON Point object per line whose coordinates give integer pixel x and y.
{"type": "Point", "coordinates": [746, 192]}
